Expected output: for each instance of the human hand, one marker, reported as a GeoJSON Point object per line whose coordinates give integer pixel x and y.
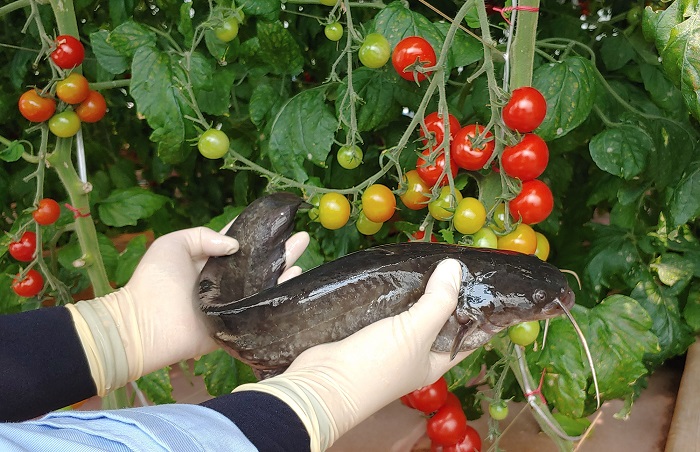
{"type": "Point", "coordinates": [333, 387]}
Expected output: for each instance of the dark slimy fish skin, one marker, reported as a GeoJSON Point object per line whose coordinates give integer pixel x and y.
{"type": "Point", "coordinates": [270, 328]}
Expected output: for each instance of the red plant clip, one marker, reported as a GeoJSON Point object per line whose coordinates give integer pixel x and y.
{"type": "Point", "coordinates": [538, 391]}
{"type": "Point", "coordinates": [76, 212]}
{"type": "Point", "coordinates": [506, 9]}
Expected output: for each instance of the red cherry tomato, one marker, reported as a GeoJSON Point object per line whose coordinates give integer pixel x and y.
{"type": "Point", "coordinates": [525, 110]}
{"type": "Point", "coordinates": [467, 156]}
{"type": "Point", "coordinates": [69, 52]}
{"type": "Point", "coordinates": [73, 89]}
{"type": "Point", "coordinates": [418, 236]}
{"type": "Point", "coordinates": [447, 426]}
{"type": "Point", "coordinates": [453, 400]}
{"type": "Point", "coordinates": [404, 400]}
{"type": "Point", "coordinates": [24, 248]}
{"type": "Point", "coordinates": [413, 50]}
{"type": "Point", "coordinates": [527, 159]}
{"type": "Point", "coordinates": [47, 212]}
{"type": "Point", "coordinates": [470, 443]}
{"type": "Point", "coordinates": [429, 398]}
{"type": "Point", "coordinates": [30, 285]}
{"type": "Point", "coordinates": [435, 125]}
{"type": "Point", "coordinates": [533, 204]}
{"type": "Point", "coordinates": [35, 107]}
{"type": "Point", "coordinates": [431, 174]}
{"type": "Point", "coordinates": [93, 108]}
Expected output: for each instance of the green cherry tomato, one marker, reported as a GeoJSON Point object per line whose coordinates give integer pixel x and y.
{"type": "Point", "coordinates": [498, 410]}
{"type": "Point", "coordinates": [227, 30]}
{"type": "Point", "coordinates": [485, 238]}
{"type": "Point", "coordinates": [470, 216]}
{"type": "Point", "coordinates": [333, 31]}
{"type": "Point", "coordinates": [349, 157]}
{"type": "Point", "coordinates": [375, 51]}
{"type": "Point", "coordinates": [443, 207]}
{"type": "Point", "coordinates": [213, 144]}
{"type": "Point", "coordinates": [524, 333]}
{"type": "Point", "coordinates": [367, 226]}
{"type": "Point", "coordinates": [64, 124]}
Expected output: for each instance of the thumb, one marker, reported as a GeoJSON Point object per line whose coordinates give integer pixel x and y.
{"type": "Point", "coordinates": [203, 242]}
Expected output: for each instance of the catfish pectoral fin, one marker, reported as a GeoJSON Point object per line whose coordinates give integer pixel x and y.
{"type": "Point", "coordinates": [464, 331]}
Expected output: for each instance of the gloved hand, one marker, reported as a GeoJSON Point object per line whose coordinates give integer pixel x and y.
{"type": "Point", "coordinates": [333, 387]}
{"type": "Point", "coordinates": [152, 321]}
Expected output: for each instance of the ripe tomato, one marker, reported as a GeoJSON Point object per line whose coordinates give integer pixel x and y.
{"type": "Point", "coordinates": [69, 52]}
{"type": "Point", "coordinates": [470, 216]}
{"type": "Point", "coordinates": [419, 235]}
{"type": "Point", "coordinates": [447, 426]}
{"type": "Point", "coordinates": [435, 126]}
{"type": "Point", "coordinates": [453, 400]}
{"type": "Point", "coordinates": [374, 51]}
{"type": "Point", "coordinates": [333, 31]}
{"type": "Point", "coordinates": [429, 398]}
{"type": "Point", "coordinates": [525, 110]}
{"type": "Point", "coordinates": [64, 124]}
{"type": "Point", "coordinates": [73, 89]}
{"type": "Point", "coordinates": [378, 203]}
{"type": "Point", "coordinates": [227, 30]}
{"type": "Point", "coordinates": [524, 333]}
{"type": "Point", "coordinates": [367, 226]}
{"type": "Point", "coordinates": [498, 410]}
{"type": "Point", "coordinates": [24, 248]}
{"type": "Point", "coordinates": [522, 239]}
{"type": "Point", "coordinates": [349, 157]}
{"type": "Point", "coordinates": [411, 51]}
{"type": "Point", "coordinates": [213, 144]}
{"type": "Point", "coordinates": [36, 108]}
{"type": "Point", "coordinates": [467, 156]}
{"type": "Point", "coordinates": [404, 401]}
{"type": "Point", "coordinates": [527, 159]}
{"type": "Point", "coordinates": [93, 108]}
{"type": "Point", "coordinates": [47, 212]}
{"type": "Point", "coordinates": [432, 173]}
{"type": "Point", "coordinates": [542, 250]}
{"type": "Point", "coordinates": [333, 210]}
{"type": "Point", "coordinates": [533, 204]}
{"type": "Point", "coordinates": [470, 443]}
{"type": "Point", "coordinates": [443, 207]}
{"type": "Point", "coordinates": [485, 238]}
{"type": "Point", "coordinates": [30, 285]}
{"type": "Point", "coordinates": [415, 197]}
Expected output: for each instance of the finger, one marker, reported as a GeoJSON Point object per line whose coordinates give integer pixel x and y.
{"type": "Point", "coordinates": [433, 309]}
{"type": "Point", "coordinates": [203, 242]}
{"type": "Point", "coordinates": [292, 272]}
{"type": "Point", "coordinates": [294, 247]}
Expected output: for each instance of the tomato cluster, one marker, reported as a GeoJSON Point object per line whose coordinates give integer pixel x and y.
{"type": "Point", "coordinates": [447, 425]}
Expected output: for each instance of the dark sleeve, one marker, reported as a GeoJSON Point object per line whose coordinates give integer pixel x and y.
{"type": "Point", "coordinates": [270, 424]}
{"type": "Point", "coordinates": [42, 364]}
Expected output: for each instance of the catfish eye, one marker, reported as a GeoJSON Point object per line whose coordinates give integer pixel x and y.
{"type": "Point", "coordinates": [539, 295]}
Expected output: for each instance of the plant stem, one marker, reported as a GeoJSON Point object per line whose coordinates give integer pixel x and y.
{"type": "Point", "coordinates": [65, 17]}
{"type": "Point", "coordinates": [18, 4]}
{"type": "Point", "coordinates": [99, 86]}
{"type": "Point", "coordinates": [523, 51]}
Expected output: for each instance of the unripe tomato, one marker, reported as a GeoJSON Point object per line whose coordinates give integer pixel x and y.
{"type": "Point", "coordinates": [521, 239]}
{"type": "Point", "coordinates": [64, 124]}
{"type": "Point", "coordinates": [333, 31]}
{"type": "Point", "coordinates": [499, 218]}
{"type": "Point", "coordinates": [415, 197]}
{"type": "Point", "coordinates": [69, 52]}
{"type": "Point", "coordinates": [227, 30]}
{"type": "Point", "coordinates": [533, 204]}
{"type": "Point", "coordinates": [498, 411]}
{"type": "Point", "coordinates": [542, 250]}
{"type": "Point", "coordinates": [410, 51]}
{"type": "Point", "coordinates": [35, 107]}
{"type": "Point", "coordinates": [527, 159]}
{"type": "Point", "coordinates": [333, 211]}
{"type": "Point", "coordinates": [525, 110]}
{"type": "Point", "coordinates": [485, 238]}
{"type": "Point", "coordinates": [524, 333]}
{"type": "Point", "coordinates": [435, 126]}
{"type": "Point", "coordinates": [465, 154]}
{"type": "Point", "coordinates": [213, 144]}
{"type": "Point", "coordinates": [378, 203]}
{"type": "Point", "coordinates": [374, 51]}
{"type": "Point", "coordinates": [47, 212]}
{"type": "Point", "coordinates": [443, 207]}
{"type": "Point", "coordinates": [73, 89]}
{"type": "Point", "coordinates": [93, 108]}
{"type": "Point", "coordinates": [349, 157]}
{"type": "Point", "coordinates": [30, 285]}
{"type": "Point", "coordinates": [367, 226]}
{"type": "Point", "coordinates": [24, 248]}
{"type": "Point", "coordinates": [470, 216]}
{"type": "Point", "coordinates": [435, 173]}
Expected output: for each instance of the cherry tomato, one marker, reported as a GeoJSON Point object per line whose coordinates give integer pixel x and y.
{"type": "Point", "coordinates": [69, 52]}
{"type": "Point", "coordinates": [429, 398]}
{"type": "Point", "coordinates": [367, 226]}
{"type": "Point", "coordinates": [524, 333]}
{"type": "Point", "coordinates": [333, 210]}
{"type": "Point", "coordinates": [415, 197]}
{"type": "Point", "coordinates": [527, 159]}
{"type": "Point", "coordinates": [447, 426]}
{"type": "Point", "coordinates": [227, 29]}
{"type": "Point", "coordinates": [533, 204]}
{"type": "Point", "coordinates": [31, 285]}
{"type": "Point", "coordinates": [498, 410]}
{"type": "Point", "coordinates": [213, 144]}
{"type": "Point", "coordinates": [410, 51]}
{"type": "Point", "coordinates": [47, 212]}
{"type": "Point", "coordinates": [443, 207]}
{"type": "Point", "coordinates": [35, 107]}
{"type": "Point", "coordinates": [525, 110]}
{"type": "Point", "coordinates": [333, 31]}
{"type": "Point", "coordinates": [73, 89]}
{"type": "Point", "coordinates": [404, 400]}
{"type": "Point", "coordinates": [467, 156]}
{"type": "Point", "coordinates": [64, 124]}
{"type": "Point", "coordinates": [485, 238]}
{"type": "Point", "coordinates": [432, 173]}
{"type": "Point", "coordinates": [418, 236]}
{"type": "Point", "coordinates": [521, 239]}
{"type": "Point", "coordinates": [542, 250]}
{"type": "Point", "coordinates": [499, 218]}
{"type": "Point", "coordinates": [24, 248]}
{"type": "Point", "coordinates": [374, 51]}
{"type": "Point", "coordinates": [453, 400]}
{"type": "Point", "coordinates": [470, 216]}
{"type": "Point", "coordinates": [93, 108]}
{"type": "Point", "coordinates": [378, 203]}
{"type": "Point", "coordinates": [435, 125]}
{"type": "Point", "coordinates": [349, 157]}
{"type": "Point", "coordinates": [470, 443]}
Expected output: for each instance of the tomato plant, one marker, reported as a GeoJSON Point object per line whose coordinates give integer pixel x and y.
{"type": "Point", "coordinates": [35, 107]}
{"type": "Point", "coordinates": [24, 248]}
{"type": "Point", "coordinates": [374, 51]}
{"type": "Point", "coordinates": [64, 124]}
{"type": "Point", "coordinates": [349, 157]}
{"type": "Point", "coordinates": [333, 31]}
{"type": "Point", "coordinates": [411, 53]}
{"type": "Point", "coordinates": [378, 203]}
{"type": "Point", "coordinates": [73, 89]}
{"type": "Point", "coordinates": [533, 204]}
{"type": "Point", "coordinates": [69, 52]}
{"type": "Point", "coordinates": [93, 108]}
{"type": "Point", "coordinates": [434, 172]}
{"type": "Point", "coordinates": [524, 333]}
{"type": "Point", "coordinates": [527, 159]}
{"type": "Point", "coordinates": [213, 144]}
{"type": "Point", "coordinates": [468, 156]}
{"type": "Point", "coordinates": [525, 109]}
{"type": "Point", "coordinates": [443, 207]}
{"type": "Point", "coordinates": [227, 30]}
{"type": "Point", "coordinates": [435, 126]}
{"type": "Point", "coordinates": [47, 212]}
{"type": "Point", "coordinates": [30, 285]}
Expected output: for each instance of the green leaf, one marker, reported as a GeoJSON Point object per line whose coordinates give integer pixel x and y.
{"type": "Point", "coordinates": [303, 130]}
{"type": "Point", "coordinates": [268, 9]}
{"type": "Point", "coordinates": [569, 88]}
{"type": "Point", "coordinates": [222, 373]}
{"type": "Point", "coordinates": [157, 386]}
{"type": "Point", "coordinates": [71, 254]}
{"type": "Point", "coordinates": [130, 36]}
{"type": "Point", "coordinates": [616, 52]}
{"type": "Point", "coordinates": [120, 10]}
{"type": "Point", "coordinates": [572, 426]}
{"type": "Point", "coordinates": [467, 369]}
{"type": "Point", "coordinates": [613, 257]}
{"type": "Point", "coordinates": [674, 271]}
{"type": "Point", "coordinates": [465, 49]}
{"type": "Point", "coordinates": [376, 89]}
{"type": "Point", "coordinates": [184, 26]}
{"type": "Point", "coordinates": [670, 139]}
{"type": "Point", "coordinates": [129, 259]}
{"type": "Point", "coordinates": [657, 25]}
{"type": "Point", "coordinates": [10, 302]}
{"type": "Point", "coordinates": [662, 91]}
{"type": "Point", "coordinates": [691, 312]}
{"type": "Point", "coordinates": [622, 151]}
{"type": "Point", "coordinates": [279, 49]}
{"type": "Point", "coordinates": [683, 200]}
{"type": "Point", "coordinates": [681, 60]}
{"type": "Point", "coordinates": [12, 152]}
{"type": "Point", "coordinates": [107, 56]}
{"type": "Point", "coordinates": [222, 51]}
{"type": "Point", "coordinates": [265, 103]}
{"type": "Point", "coordinates": [126, 206]}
